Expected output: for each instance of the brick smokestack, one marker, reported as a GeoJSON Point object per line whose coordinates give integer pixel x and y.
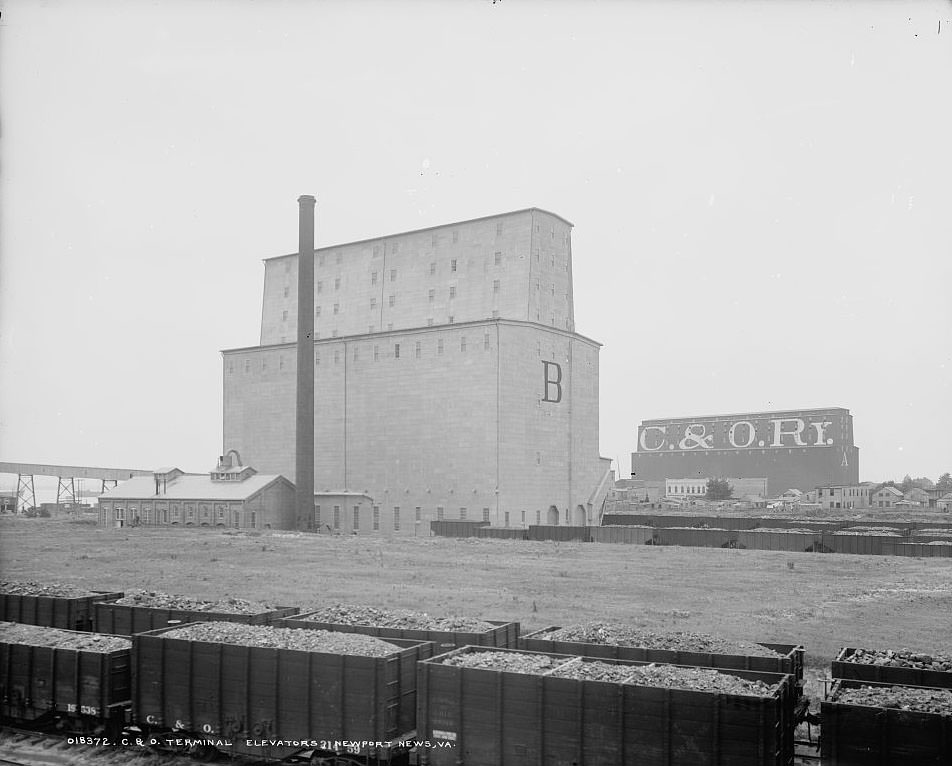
{"type": "Point", "coordinates": [304, 412]}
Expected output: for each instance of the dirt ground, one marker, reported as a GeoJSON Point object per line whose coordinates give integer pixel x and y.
{"type": "Point", "coordinates": [822, 601]}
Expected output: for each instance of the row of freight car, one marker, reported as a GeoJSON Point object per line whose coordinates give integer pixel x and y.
{"type": "Point", "coordinates": [792, 539]}
{"type": "Point", "coordinates": [466, 699]}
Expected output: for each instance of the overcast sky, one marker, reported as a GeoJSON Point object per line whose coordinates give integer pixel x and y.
{"type": "Point", "coordinates": [761, 193]}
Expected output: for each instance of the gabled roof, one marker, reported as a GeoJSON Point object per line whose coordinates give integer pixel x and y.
{"type": "Point", "coordinates": [192, 486]}
{"type": "Point", "coordinates": [891, 490]}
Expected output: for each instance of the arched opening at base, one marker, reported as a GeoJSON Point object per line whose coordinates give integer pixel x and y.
{"type": "Point", "coordinates": [580, 518]}
{"type": "Point", "coordinates": [552, 516]}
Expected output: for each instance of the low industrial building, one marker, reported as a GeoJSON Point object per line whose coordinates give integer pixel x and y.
{"type": "Point", "coordinates": [697, 488]}
{"type": "Point", "coordinates": [885, 497]}
{"type": "Point", "coordinates": [845, 496]}
{"type": "Point", "coordinates": [231, 495]}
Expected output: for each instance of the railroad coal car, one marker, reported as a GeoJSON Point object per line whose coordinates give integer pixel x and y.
{"type": "Point", "coordinates": [273, 702]}
{"type": "Point", "coordinates": [864, 733]}
{"type": "Point", "coordinates": [901, 668]}
{"type": "Point", "coordinates": [69, 612]}
{"type": "Point", "coordinates": [504, 635]}
{"type": "Point", "coordinates": [789, 659]}
{"type": "Point", "coordinates": [126, 619]}
{"type": "Point", "coordinates": [54, 674]}
{"type": "Point", "coordinates": [482, 716]}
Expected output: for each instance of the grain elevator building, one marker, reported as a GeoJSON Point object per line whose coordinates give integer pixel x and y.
{"type": "Point", "coordinates": [449, 380]}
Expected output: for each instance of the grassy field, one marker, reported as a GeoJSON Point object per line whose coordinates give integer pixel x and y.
{"type": "Point", "coordinates": [823, 601]}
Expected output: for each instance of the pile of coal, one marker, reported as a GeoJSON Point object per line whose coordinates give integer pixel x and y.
{"type": "Point", "coordinates": [58, 590]}
{"type": "Point", "coordinates": [619, 634]}
{"type": "Point", "coordinates": [514, 662]}
{"type": "Point", "coordinates": [405, 619]}
{"type": "Point", "coordinates": [901, 659]}
{"type": "Point", "coordinates": [785, 530]}
{"type": "Point", "coordinates": [36, 635]}
{"type": "Point", "coordinates": [157, 600]}
{"type": "Point", "coordinates": [910, 698]}
{"type": "Point", "coordinates": [298, 639]}
{"type": "Point", "coordinates": [666, 676]}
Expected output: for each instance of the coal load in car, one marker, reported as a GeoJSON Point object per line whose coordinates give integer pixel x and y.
{"type": "Point", "coordinates": [55, 605]}
{"type": "Point", "coordinates": [447, 632]}
{"type": "Point", "coordinates": [54, 673]}
{"type": "Point", "coordinates": [484, 707]}
{"type": "Point", "coordinates": [871, 724]}
{"type": "Point", "coordinates": [889, 666]}
{"type": "Point", "coordinates": [141, 611]}
{"type": "Point", "coordinates": [255, 685]}
{"type": "Point", "coordinates": [624, 642]}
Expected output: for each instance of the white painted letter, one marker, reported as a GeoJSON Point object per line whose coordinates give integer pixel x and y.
{"type": "Point", "coordinates": [779, 433]}
{"type": "Point", "coordinates": [751, 434]}
{"type": "Point", "coordinates": [644, 432]}
{"type": "Point", "coordinates": [820, 428]}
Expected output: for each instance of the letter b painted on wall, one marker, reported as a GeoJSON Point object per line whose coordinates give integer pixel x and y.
{"type": "Point", "coordinates": [552, 374]}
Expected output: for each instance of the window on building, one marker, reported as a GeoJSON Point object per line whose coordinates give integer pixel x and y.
{"type": "Point", "coordinates": [523, 518]}
{"type": "Point", "coordinates": [433, 240]}
{"type": "Point", "coordinates": [337, 283]}
{"type": "Point", "coordinates": [340, 257]}
{"type": "Point", "coordinates": [356, 517]}
{"type": "Point", "coordinates": [418, 349]}
{"type": "Point", "coordinates": [440, 512]}
{"type": "Point", "coordinates": [450, 319]}
{"type": "Point", "coordinates": [286, 291]}
{"type": "Point", "coordinates": [393, 275]}
{"type": "Point", "coordinates": [373, 304]}
{"type": "Point", "coordinates": [336, 353]}
{"type": "Point", "coordinates": [317, 358]}
{"type": "Point", "coordinates": [462, 514]}
{"type": "Point", "coordinates": [498, 228]}
{"type": "Point", "coordinates": [495, 314]}
{"type": "Point", "coordinates": [370, 328]}
{"type": "Point", "coordinates": [320, 286]}
{"type": "Point", "coordinates": [507, 518]}
{"type": "Point", "coordinates": [429, 322]}
{"type": "Point", "coordinates": [452, 292]}
{"type": "Point", "coordinates": [376, 353]}
{"type": "Point", "coordinates": [439, 346]}
{"type": "Point", "coordinates": [455, 238]}
{"type": "Point", "coordinates": [317, 311]}
{"type": "Point", "coordinates": [376, 519]}
{"type": "Point", "coordinates": [284, 316]}
{"type": "Point", "coordinates": [396, 518]}
{"type": "Point", "coordinates": [373, 277]}
{"type": "Point", "coordinates": [336, 517]}
{"type": "Point", "coordinates": [355, 352]}
{"type": "Point", "coordinates": [495, 285]}
{"type": "Point", "coordinates": [431, 295]}
{"type": "Point", "coordinates": [486, 341]}
{"type": "Point", "coordinates": [320, 260]}
{"type": "Point", "coordinates": [538, 517]}
{"type": "Point", "coordinates": [497, 258]}
{"type": "Point", "coordinates": [396, 350]}
{"type": "Point", "coordinates": [393, 300]}
{"type": "Point", "coordinates": [337, 308]}
{"type": "Point", "coordinates": [453, 264]}
{"type": "Point", "coordinates": [395, 247]}
{"type": "Point", "coordinates": [486, 515]}
{"type": "Point", "coordinates": [432, 268]}
{"type": "Point", "coordinates": [462, 343]}
{"type": "Point", "coordinates": [418, 514]}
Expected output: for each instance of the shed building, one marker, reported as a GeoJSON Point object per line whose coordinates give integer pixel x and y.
{"type": "Point", "coordinates": [231, 495]}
